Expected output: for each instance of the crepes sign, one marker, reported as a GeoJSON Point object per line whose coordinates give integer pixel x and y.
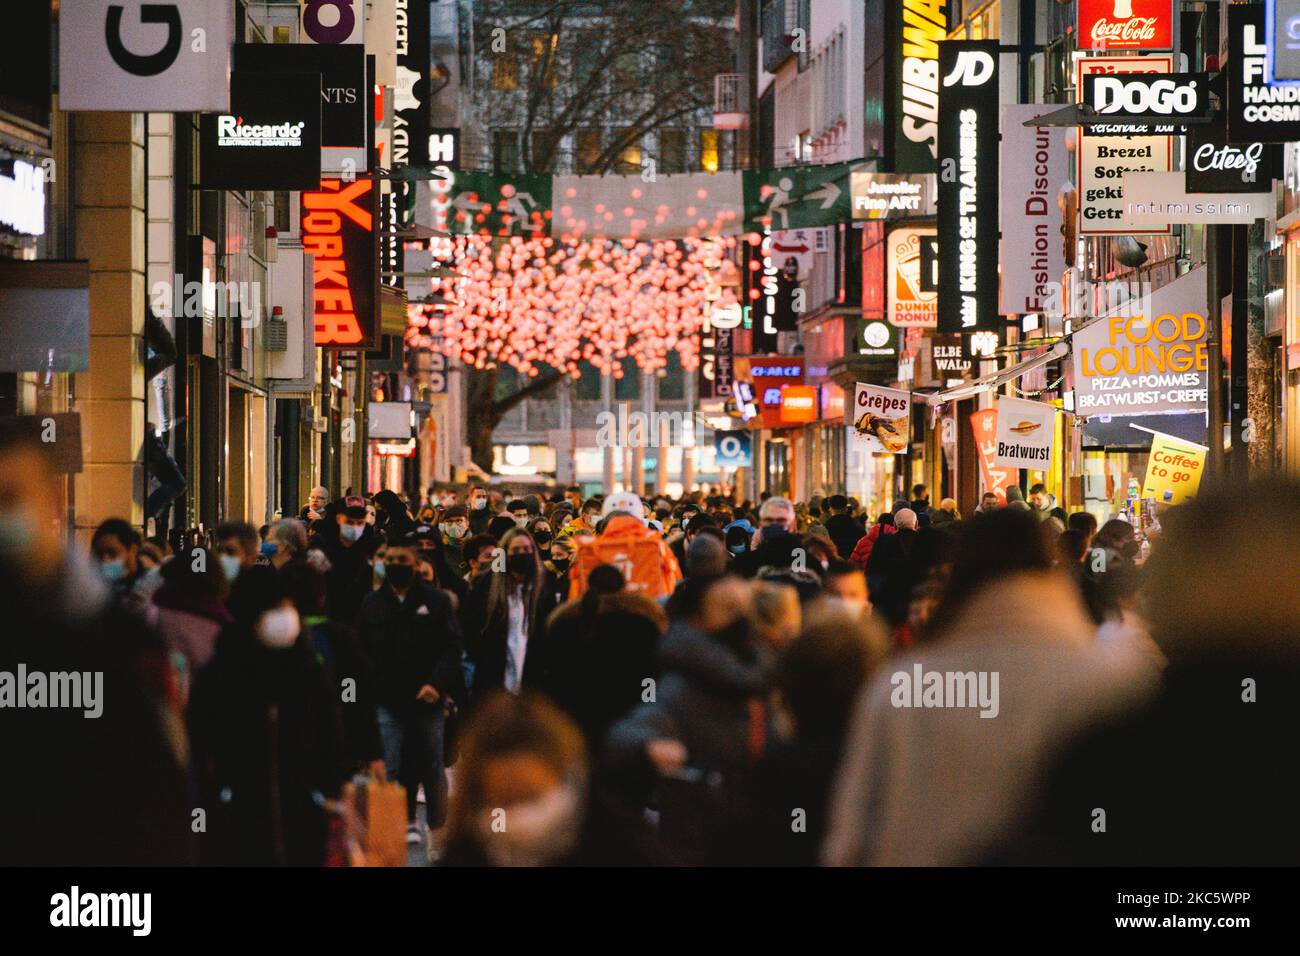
{"type": "Point", "coordinates": [1025, 433]}
{"type": "Point", "coordinates": [881, 418]}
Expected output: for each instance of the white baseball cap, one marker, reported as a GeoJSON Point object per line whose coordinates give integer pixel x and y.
{"type": "Point", "coordinates": [623, 501]}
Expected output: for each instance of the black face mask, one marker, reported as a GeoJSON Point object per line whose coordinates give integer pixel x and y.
{"type": "Point", "coordinates": [542, 537]}
{"type": "Point", "coordinates": [560, 564]}
{"type": "Point", "coordinates": [399, 575]}
{"type": "Point", "coordinates": [520, 564]}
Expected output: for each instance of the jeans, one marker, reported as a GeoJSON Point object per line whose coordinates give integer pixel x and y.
{"type": "Point", "coordinates": [416, 736]}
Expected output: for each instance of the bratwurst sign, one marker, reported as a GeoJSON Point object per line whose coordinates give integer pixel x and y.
{"type": "Point", "coordinates": [1148, 356]}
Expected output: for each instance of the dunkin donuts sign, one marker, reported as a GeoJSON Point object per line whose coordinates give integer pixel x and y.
{"type": "Point", "coordinates": [1126, 25]}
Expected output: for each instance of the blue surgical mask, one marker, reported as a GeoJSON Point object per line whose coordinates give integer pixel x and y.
{"type": "Point", "coordinates": [113, 571]}
{"type": "Point", "coordinates": [231, 565]}
{"type": "Point", "coordinates": [381, 570]}
{"type": "Point", "coordinates": [269, 548]}
{"type": "Point", "coordinates": [352, 532]}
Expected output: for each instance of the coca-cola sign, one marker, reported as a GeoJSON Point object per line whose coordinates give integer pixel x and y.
{"type": "Point", "coordinates": [1125, 25]}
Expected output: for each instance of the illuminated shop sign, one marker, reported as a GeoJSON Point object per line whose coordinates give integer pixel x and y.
{"type": "Point", "coordinates": [339, 230]}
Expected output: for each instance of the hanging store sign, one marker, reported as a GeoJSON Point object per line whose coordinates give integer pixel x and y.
{"type": "Point", "coordinates": [947, 358]}
{"type": "Point", "coordinates": [270, 140]}
{"type": "Point", "coordinates": [1126, 25]}
{"type": "Point", "coordinates": [1174, 469]}
{"type": "Point", "coordinates": [892, 196]}
{"type": "Point", "coordinates": [1216, 166]}
{"type": "Point", "coordinates": [1025, 433]}
{"type": "Point", "coordinates": [22, 200]}
{"type": "Point", "coordinates": [132, 56]}
{"type": "Point", "coordinates": [343, 94]}
{"type": "Point", "coordinates": [1148, 356]}
{"type": "Point", "coordinates": [732, 449]}
{"type": "Point", "coordinates": [411, 132]}
{"type": "Point", "coordinates": [1035, 168]}
{"type": "Point", "coordinates": [1163, 197]}
{"type": "Point", "coordinates": [1128, 98]}
{"type": "Point", "coordinates": [332, 22]}
{"type": "Point", "coordinates": [875, 339]}
{"type": "Point", "coordinates": [1105, 160]}
{"type": "Point", "coordinates": [908, 304]}
{"type": "Point", "coordinates": [996, 479]}
{"type": "Point", "coordinates": [968, 185]}
{"type": "Point", "coordinates": [914, 29]}
{"type": "Point", "coordinates": [444, 146]}
{"type": "Point", "coordinates": [798, 404]}
{"type": "Point", "coordinates": [881, 418]}
{"type": "Point", "coordinates": [1257, 111]}
{"type": "Point", "coordinates": [339, 228]}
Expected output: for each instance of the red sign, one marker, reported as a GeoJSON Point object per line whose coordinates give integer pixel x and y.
{"type": "Point", "coordinates": [1126, 25]}
{"type": "Point", "coordinates": [985, 426]}
{"type": "Point", "coordinates": [339, 230]}
{"type": "Point", "coordinates": [798, 404]}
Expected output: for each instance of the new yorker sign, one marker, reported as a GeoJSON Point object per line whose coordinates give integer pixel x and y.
{"type": "Point", "coordinates": [339, 223]}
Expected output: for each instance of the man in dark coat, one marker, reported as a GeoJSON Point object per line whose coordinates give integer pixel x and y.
{"type": "Point", "coordinates": [347, 541]}
{"type": "Point", "coordinates": [845, 530]}
{"type": "Point", "coordinates": [893, 566]}
{"type": "Point", "coordinates": [410, 631]}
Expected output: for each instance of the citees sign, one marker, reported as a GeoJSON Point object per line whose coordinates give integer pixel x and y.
{"type": "Point", "coordinates": [132, 56]}
{"type": "Point", "coordinates": [339, 229]}
{"type": "Point", "coordinates": [1216, 166]}
{"type": "Point", "coordinates": [881, 418]}
{"type": "Point", "coordinates": [1184, 97]}
{"type": "Point", "coordinates": [909, 304]}
{"type": "Point", "coordinates": [1035, 168]}
{"type": "Point", "coordinates": [271, 140]}
{"type": "Point", "coordinates": [1126, 25]}
{"type": "Point", "coordinates": [1025, 433]}
{"type": "Point", "coordinates": [968, 185]}
{"type": "Point", "coordinates": [1257, 112]}
{"type": "Point", "coordinates": [331, 22]}
{"type": "Point", "coordinates": [1104, 161]}
{"type": "Point", "coordinates": [1148, 356]}
{"type": "Point", "coordinates": [914, 30]}
{"type": "Point", "coordinates": [877, 196]}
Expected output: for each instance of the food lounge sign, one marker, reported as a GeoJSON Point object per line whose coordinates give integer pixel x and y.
{"type": "Point", "coordinates": [339, 230]}
{"type": "Point", "coordinates": [1151, 358]}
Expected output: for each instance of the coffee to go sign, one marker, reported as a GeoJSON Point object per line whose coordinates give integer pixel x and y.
{"type": "Point", "coordinates": [1126, 25]}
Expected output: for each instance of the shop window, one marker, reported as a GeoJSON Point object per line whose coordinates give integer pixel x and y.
{"type": "Point", "coordinates": [672, 151]}
{"type": "Point", "coordinates": [628, 388]}
{"type": "Point", "coordinates": [505, 151]}
{"type": "Point", "coordinates": [588, 384]}
{"type": "Point", "coordinates": [672, 379]}
{"type": "Point", "coordinates": [587, 152]}
{"type": "Point", "coordinates": [629, 157]}
{"type": "Point", "coordinates": [505, 71]}
{"type": "Point", "coordinates": [709, 150]}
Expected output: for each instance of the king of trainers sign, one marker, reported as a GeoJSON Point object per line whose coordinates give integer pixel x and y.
{"type": "Point", "coordinates": [968, 185]}
{"type": "Point", "coordinates": [1126, 25]}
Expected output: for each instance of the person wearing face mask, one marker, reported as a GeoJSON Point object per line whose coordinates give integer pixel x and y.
{"type": "Point", "coordinates": [845, 581]}
{"type": "Point", "coordinates": [520, 512]}
{"type": "Point", "coordinates": [524, 757]}
{"type": "Point", "coordinates": [476, 500]}
{"type": "Point", "coordinates": [558, 564]}
{"type": "Point", "coordinates": [504, 614]}
{"type": "Point", "coordinates": [391, 515]}
{"type": "Point", "coordinates": [115, 547]}
{"type": "Point", "coordinates": [540, 529]}
{"type": "Point", "coordinates": [588, 518]}
{"type": "Point", "coordinates": [347, 543]}
{"type": "Point", "coordinates": [237, 547]}
{"type": "Point", "coordinates": [454, 528]}
{"type": "Point", "coordinates": [691, 751]}
{"type": "Point", "coordinates": [266, 734]}
{"type": "Point", "coordinates": [478, 552]}
{"type": "Point", "coordinates": [409, 630]}
{"type": "Point", "coordinates": [127, 759]}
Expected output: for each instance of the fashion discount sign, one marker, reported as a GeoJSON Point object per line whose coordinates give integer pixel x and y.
{"type": "Point", "coordinates": [968, 185]}
{"type": "Point", "coordinates": [1035, 167]}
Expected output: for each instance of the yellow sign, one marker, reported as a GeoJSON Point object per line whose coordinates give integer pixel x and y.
{"type": "Point", "coordinates": [1174, 469]}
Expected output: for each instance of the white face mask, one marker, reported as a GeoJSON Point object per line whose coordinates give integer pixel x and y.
{"type": "Point", "coordinates": [521, 522]}
{"type": "Point", "coordinates": [278, 628]}
{"type": "Point", "coordinates": [232, 566]}
{"type": "Point", "coordinates": [535, 833]}
{"type": "Point", "coordinates": [352, 532]}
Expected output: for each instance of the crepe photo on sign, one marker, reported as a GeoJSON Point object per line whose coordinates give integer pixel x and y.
{"type": "Point", "coordinates": [880, 418]}
{"type": "Point", "coordinates": [1025, 433]}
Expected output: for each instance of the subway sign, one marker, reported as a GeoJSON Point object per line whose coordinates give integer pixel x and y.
{"type": "Point", "coordinates": [915, 29]}
{"type": "Point", "coordinates": [340, 229]}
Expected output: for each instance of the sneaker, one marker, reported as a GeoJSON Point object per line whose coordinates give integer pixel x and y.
{"type": "Point", "coordinates": [436, 846]}
{"type": "Point", "coordinates": [413, 834]}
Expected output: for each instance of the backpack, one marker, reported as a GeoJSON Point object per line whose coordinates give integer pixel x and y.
{"type": "Point", "coordinates": [639, 557]}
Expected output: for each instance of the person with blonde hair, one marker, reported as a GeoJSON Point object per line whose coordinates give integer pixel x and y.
{"type": "Point", "coordinates": [774, 612]}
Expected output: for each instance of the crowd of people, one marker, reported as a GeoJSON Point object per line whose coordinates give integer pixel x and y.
{"type": "Point", "coordinates": [560, 679]}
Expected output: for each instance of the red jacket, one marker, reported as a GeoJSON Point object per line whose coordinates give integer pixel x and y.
{"type": "Point", "coordinates": [862, 551]}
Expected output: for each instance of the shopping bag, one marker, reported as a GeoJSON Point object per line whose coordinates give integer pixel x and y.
{"type": "Point", "coordinates": [385, 815]}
